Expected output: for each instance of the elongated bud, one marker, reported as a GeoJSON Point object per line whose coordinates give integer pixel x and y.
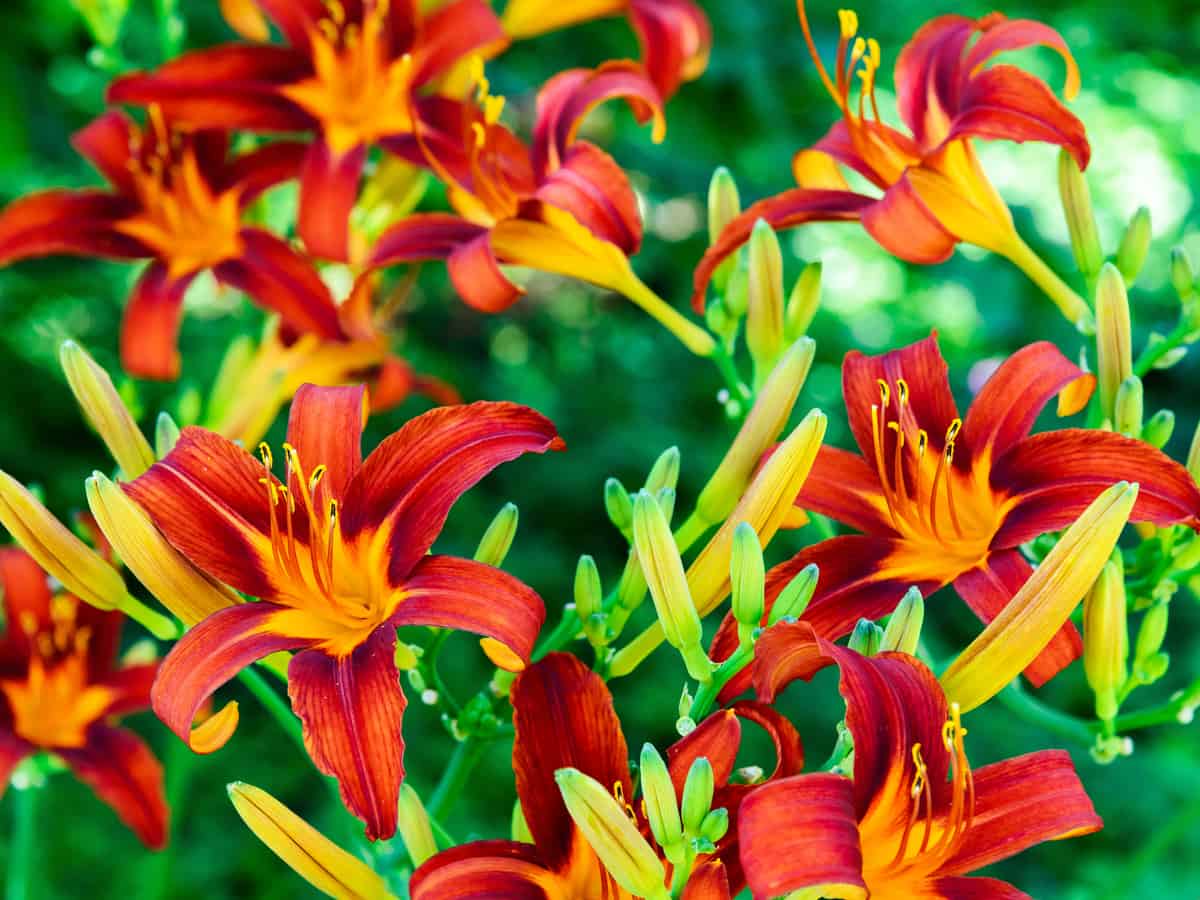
{"type": "Point", "coordinates": [1159, 429]}
{"type": "Point", "coordinates": [736, 298]}
{"type": "Point", "coordinates": [866, 638]}
{"type": "Point", "coordinates": [665, 471]}
{"type": "Point", "coordinates": [414, 827]}
{"type": "Point", "coordinates": [903, 631]}
{"type": "Point", "coordinates": [1127, 409]}
{"type": "Point", "coordinates": [166, 434]}
{"type": "Point", "coordinates": [747, 577]}
{"type": "Point", "coordinates": [724, 204]}
{"type": "Point", "coordinates": [1081, 223]}
{"type": "Point", "coordinates": [715, 825]}
{"type": "Point", "coordinates": [662, 809]}
{"type": "Point", "coordinates": [1105, 639]}
{"type": "Point", "coordinates": [1152, 633]}
{"type": "Point", "coordinates": [1135, 244]}
{"type": "Point", "coordinates": [794, 599]}
{"type": "Point", "coordinates": [619, 506]}
{"type": "Point", "coordinates": [666, 502]}
{"type": "Point", "coordinates": [607, 827]}
{"type": "Point", "coordinates": [1183, 276]}
{"type": "Point", "coordinates": [764, 422]}
{"type": "Point", "coordinates": [697, 794]}
{"type": "Point", "coordinates": [104, 411]}
{"type": "Point", "coordinates": [313, 857]}
{"type": "Point", "coordinates": [497, 540]}
{"type": "Point", "coordinates": [764, 312]}
{"type": "Point", "coordinates": [589, 595]}
{"type": "Point", "coordinates": [803, 302]}
{"type": "Point", "coordinates": [1114, 351]}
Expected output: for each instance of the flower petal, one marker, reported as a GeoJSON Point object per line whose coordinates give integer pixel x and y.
{"type": "Point", "coordinates": [325, 426]}
{"type": "Point", "coordinates": [452, 32]}
{"type": "Point", "coordinates": [408, 484]}
{"type": "Point", "coordinates": [295, 18]}
{"type": "Point", "coordinates": [259, 170]}
{"type": "Point", "coordinates": [956, 887]}
{"type": "Point", "coordinates": [125, 775]}
{"type": "Point", "coordinates": [150, 328]}
{"type": "Point", "coordinates": [717, 738]}
{"type": "Point", "coordinates": [529, 18]}
{"type": "Point", "coordinates": [708, 881]}
{"type": "Point", "coordinates": [131, 687]}
{"type": "Point", "coordinates": [676, 40]}
{"type": "Point", "coordinates": [105, 143]}
{"type": "Point", "coordinates": [800, 833]}
{"type": "Point", "coordinates": [352, 707]}
{"type": "Point", "coordinates": [72, 223]}
{"type": "Point", "coordinates": [1002, 35]}
{"type": "Point", "coordinates": [789, 753]}
{"type": "Point", "coordinates": [25, 592]}
{"type": "Point", "coordinates": [929, 75]}
{"type": "Point", "coordinates": [423, 236]}
{"type": "Point", "coordinates": [328, 189]}
{"type": "Point", "coordinates": [905, 226]}
{"type": "Point", "coordinates": [448, 592]}
{"type": "Point", "coordinates": [501, 870]}
{"type": "Point", "coordinates": [564, 717]}
{"type": "Point", "coordinates": [595, 190]}
{"type": "Point", "coordinates": [477, 277]}
{"type": "Point", "coordinates": [845, 487]}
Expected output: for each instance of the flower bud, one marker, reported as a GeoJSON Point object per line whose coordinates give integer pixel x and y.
{"type": "Point", "coordinates": [1127, 408]}
{"type": "Point", "coordinates": [1152, 633]}
{"type": "Point", "coordinates": [724, 204]}
{"type": "Point", "coordinates": [1105, 639]}
{"type": "Point", "coordinates": [1153, 668]}
{"type": "Point", "coordinates": [1135, 244]}
{"type": "Point", "coordinates": [666, 502]}
{"type": "Point", "coordinates": [589, 595]}
{"type": "Point", "coordinates": [747, 576]}
{"type": "Point", "coordinates": [497, 540]}
{"type": "Point", "coordinates": [1193, 457]}
{"type": "Point", "coordinates": [1114, 352]}
{"type": "Point", "coordinates": [903, 631]}
{"type": "Point", "coordinates": [866, 638]}
{"type": "Point", "coordinates": [736, 298]}
{"type": "Point", "coordinates": [413, 825]}
{"type": "Point", "coordinates": [1159, 429]}
{"type": "Point", "coordinates": [619, 506]}
{"type": "Point", "coordinates": [406, 659]}
{"type": "Point", "coordinates": [719, 321]}
{"type": "Point", "coordinates": [1081, 223]}
{"type": "Point", "coordinates": [764, 422]}
{"type": "Point", "coordinates": [625, 854]}
{"type": "Point", "coordinates": [1183, 277]}
{"type": "Point", "coordinates": [697, 794]}
{"type": "Point", "coordinates": [1168, 358]}
{"type": "Point", "coordinates": [764, 311]}
{"type": "Point", "coordinates": [166, 434]}
{"type": "Point", "coordinates": [715, 825]}
{"type": "Point", "coordinates": [794, 599]}
{"type": "Point", "coordinates": [803, 302]}
{"type": "Point", "coordinates": [665, 471]}
{"type": "Point", "coordinates": [104, 411]}
{"type": "Point", "coordinates": [662, 810]}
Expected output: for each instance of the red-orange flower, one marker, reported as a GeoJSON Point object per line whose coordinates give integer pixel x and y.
{"type": "Point", "coordinates": [177, 200]}
{"type": "Point", "coordinates": [338, 555]}
{"type": "Point", "coordinates": [564, 718]}
{"type": "Point", "coordinates": [934, 193]}
{"type": "Point", "coordinates": [915, 820]}
{"type": "Point", "coordinates": [60, 689]}
{"type": "Point", "coordinates": [349, 72]}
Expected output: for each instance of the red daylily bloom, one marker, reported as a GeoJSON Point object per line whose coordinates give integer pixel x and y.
{"type": "Point", "coordinates": [338, 555]}
{"type": "Point", "coordinates": [349, 72]}
{"type": "Point", "coordinates": [564, 717]}
{"type": "Point", "coordinates": [175, 199]}
{"type": "Point", "coordinates": [674, 34]}
{"type": "Point", "coordinates": [561, 205]}
{"type": "Point", "coordinates": [915, 820]}
{"type": "Point", "coordinates": [60, 690]}
{"type": "Point", "coordinates": [945, 501]}
{"type": "Point", "coordinates": [934, 191]}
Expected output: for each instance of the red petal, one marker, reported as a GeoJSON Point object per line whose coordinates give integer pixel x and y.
{"type": "Point", "coordinates": [786, 210]}
{"type": "Point", "coordinates": [563, 716]}
{"type": "Point", "coordinates": [1055, 475]}
{"type": "Point", "coordinates": [1021, 802]}
{"type": "Point", "coordinates": [905, 227]}
{"type": "Point", "coordinates": [26, 596]}
{"type": "Point", "coordinates": [845, 487]}
{"type": "Point", "coordinates": [718, 738]}
{"type": "Point", "coordinates": [1001, 35]}
{"type": "Point", "coordinates": [958, 888]}
{"type": "Point", "coordinates": [477, 277]}
{"type": "Point", "coordinates": [423, 236]}
{"type": "Point", "coordinates": [328, 189]}
{"type": "Point", "coordinates": [676, 40]}
{"type": "Point", "coordinates": [595, 190]}
{"type": "Point", "coordinates": [325, 426]}
{"type": "Point", "coordinates": [262, 169]}
{"type": "Point", "coordinates": [448, 592]}
{"type": "Point", "coordinates": [789, 753]}
{"type": "Point", "coordinates": [800, 832]}
{"type": "Point", "coordinates": [990, 587]}
{"type": "Point", "coordinates": [125, 775]}
{"type": "Point", "coordinates": [454, 31]}
{"type": "Point", "coordinates": [150, 328]}
{"type": "Point", "coordinates": [500, 870]}
{"type": "Point", "coordinates": [72, 223]}
{"type": "Point", "coordinates": [277, 278]}
{"type": "Point", "coordinates": [207, 656]}
{"type": "Point", "coordinates": [707, 882]}
{"type": "Point", "coordinates": [133, 685]}
{"type": "Point", "coordinates": [929, 75]}
{"type": "Point", "coordinates": [351, 707]}
{"type": "Point", "coordinates": [105, 143]}
{"type": "Point", "coordinates": [1010, 401]}
{"type": "Point", "coordinates": [295, 18]}
{"type": "Point", "coordinates": [411, 480]}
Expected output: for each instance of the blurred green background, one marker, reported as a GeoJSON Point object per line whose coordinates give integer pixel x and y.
{"type": "Point", "coordinates": [621, 390]}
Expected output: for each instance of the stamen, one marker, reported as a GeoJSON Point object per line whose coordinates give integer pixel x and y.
{"type": "Point", "coordinates": [949, 457]}
{"type": "Point", "coordinates": [885, 488]}
{"type": "Point", "coordinates": [885, 394]}
{"type": "Point", "coordinates": [816, 57]}
{"type": "Point", "coordinates": [902, 392]}
{"type": "Point", "coordinates": [899, 484]}
{"type": "Point", "coordinates": [918, 488]}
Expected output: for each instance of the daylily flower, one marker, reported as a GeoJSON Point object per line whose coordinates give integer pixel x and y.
{"type": "Point", "coordinates": [941, 500]}
{"type": "Point", "coordinates": [915, 820]}
{"type": "Point", "coordinates": [60, 689]}
{"type": "Point", "coordinates": [934, 190]}
{"type": "Point", "coordinates": [349, 72]}
{"type": "Point", "coordinates": [177, 200]}
{"type": "Point", "coordinates": [674, 35]}
{"type": "Point", "coordinates": [560, 205]}
{"type": "Point", "coordinates": [944, 501]}
{"type": "Point", "coordinates": [337, 554]}
{"type": "Point", "coordinates": [564, 719]}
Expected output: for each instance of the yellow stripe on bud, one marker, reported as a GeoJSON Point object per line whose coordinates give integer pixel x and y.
{"type": "Point", "coordinates": [903, 631]}
{"type": "Point", "coordinates": [1106, 639]}
{"type": "Point", "coordinates": [610, 831]}
{"type": "Point", "coordinates": [1114, 349]}
{"type": "Point", "coordinates": [414, 827]}
{"type": "Point", "coordinates": [1081, 223]}
{"type": "Point", "coordinates": [104, 411]}
{"type": "Point", "coordinates": [312, 856]}
{"type": "Point", "coordinates": [1038, 610]}
{"type": "Point", "coordinates": [497, 540]}
{"type": "Point", "coordinates": [658, 792]}
{"type": "Point", "coordinates": [764, 312]}
{"type": "Point", "coordinates": [803, 302]}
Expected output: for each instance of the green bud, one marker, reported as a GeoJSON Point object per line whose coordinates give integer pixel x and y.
{"type": "Point", "coordinates": [619, 506]}
{"type": "Point", "coordinates": [866, 638]}
{"type": "Point", "coordinates": [719, 321]}
{"type": "Point", "coordinates": [413, 825]}
{"type": "Point", "coordinates": [803, 302]}
{"type": "Point", "coordinates": [1183, 277]}
{"type": "Point", "coordinates": [1114, 351]}
{"type": "Point", "coordinates": [589, 594]}
{"type": "Point", "coordinates": [105, 411]}
{"type": "Point", "coordinates": [903, 630]}
{"type": "Point", "coordinates": [697, 795]}
{"type": "Point", "coordinates": [794, 599]}
{"type": "Point", "coordinates": [1153, 668]}
{"type": "Point", "coordinates": [1152, 633]}
{"type": "Point", "coordinates": [736, 298]}
{"type": "Point", "coordinates": [1193, 457]}
{"type": "Point", "coordinates": [1127, 408]}
{"type": "Point", "coordinates": [496, 541]}
{"type": "Point", "coordinates": [1105, 639]}
{"type": "Point", "coordinates": [724, 204]}
{"type": "Point", "coordinates": [658, 792]}
{"type": "Point", "coordinates": [1081, 223]}
{"type": "Point", "coordinates": [764, 313]}
{"type": "Point", "coordinates": [685, 701]}
{"type": "Point", "coordinates": [715, 825]}
{"type": "Point", "coordinates": [1159, 429]}
{"type": "Point", "coordinates": [747, 577]}
{"type": "Point", "coordinates": [166, 434]}
{"type": "Point", "coordinates": [1170, 357]}
{"type": "Point", "coordinates": [665, 471]}
{"type": "Point", "coordinates": [103, 18]}
{"type": "Point", "coordinates": [1135, 244]}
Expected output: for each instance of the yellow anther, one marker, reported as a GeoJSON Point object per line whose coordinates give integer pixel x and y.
{"type": "Point", "coordinates": [618, 790]}
{"type": "Point", "coordinates": [492, 107]}
{"type": "Point", "coordinates": [291, 501]}
{"type": "Point", "coordinates": [315, 478]}
{"type": "Point", "coordinates": [857, 49]}
{"type": "Point", "coordinates": [952, 431]}
{"type": "Point", "coordinates": [885, 394]}
{"type": "Point", "coordinates": [922, 442]}
{"type": "Point", "coordinates": [475, 71]}
{"type": "Point", "coordinates": [480, 134]}
{"type": "Point", "coordinates": [921, 773]}
{"type": "Point", "coordinates": [874, 54]}
{"type": "Point", "coordinates": [264, 453]}
{"type": "Point", "coordinates": [29, 623]}
{"type": "Point", "coordinates": [848, 20]}
{"type": "Point", "coordinates": [901, 391]}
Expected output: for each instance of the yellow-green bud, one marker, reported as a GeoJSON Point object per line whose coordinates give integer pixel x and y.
{"type": "Point", "coordinates": [1183, 277]}
{"type": "Point", "coordinates": [1127, 408]}
{"type": "Point", "coordinates": [697, 795]}
{"type": "Point", "coordinates": [715, 825]}
{"type": "Point", "coordinates": [724, 204]}
{"type": "Point", "coordinates": [764, 312]}
{"type": "Point", "coordinates": [1105, 639]}
{"type": "Point", "coordinates": [866, 638]}
{"type": "Point", "coordinates": [903, 631]}
{"type": "Point", "coordinates": [166, 434]}
{"type": "Point", "coordinates": [803, 302]}
{"type": "Point", "coordinates": [794, 599]}
{"type": "Point", "coordinates": [666, 502]}
{"type": "Point", "coordinates": [1114, 351]}
{"type": "Point", "coordinates": [1193, 457]}
{"type": "Point", "coordinates": [619, 506]}
{"type": "Point", "coordinates": [589, 594]}
{"type": "Point", "coordinates": [1081, 223]}
{"type": "Point", "coordinates": [747, 577]}
{"type": "Point", "coordinates": [414, 827]}
{"type": "Point", "coordinates": [1153, 668]}
{"type": "Point", "coordinates": [719, 321]}
{"type": "Point", "coordinates": [1152, 633]}
{"type": "Point", "coordinates": [497, 540]}
{"type": "Point", "coordinates": [1135, 244]}
{"type": "Point", "coordinates": [662, 809]}
{"type": "Point", "coordinates": [1159, 429]}
{"type": "Point", "coordinates": [736, 298]}
{"type": "Point", "coordinates": [665, 471]}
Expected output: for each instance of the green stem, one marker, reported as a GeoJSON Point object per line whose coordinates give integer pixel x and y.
{"type": "Point", "coordinates": [724, 363]}
{"type": "Point", "coordinates": [466, 755]}
{"type": "Point", "coordinates": [170, 28]}
{"type": "Point", "coordinates": [564, 632]}
{"type": "Point", "coordinates": [707, 695]}
{"type": "Point", "coordinates": [1170, 711]}
{"type": "Point", "coordinates": [1153, 353]}
{"type": "Point", "coordinates": [445, 697]}
{"type": "Point", "coordinates": [21, 848]}
{"type": "Point", "coordinates": [179, 765]}
{"type": "Point", "coordinates": [275, 705]}
{"type": "Point", "coordinates": [1069, 303]}
{"type": "Point", "coordinates": [1038, 713]}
